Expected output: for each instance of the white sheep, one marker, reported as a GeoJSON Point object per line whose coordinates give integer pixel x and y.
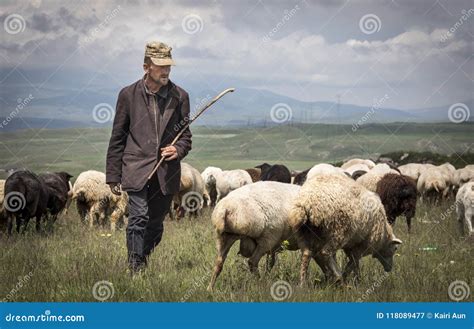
{"type": "Point", "coordinates": [220, 182]}
{"type": "Point", "coordinates": [324, 168]}
{"type": "Point", "coordinates": [462, 176]}
{"type": "Point", "coordinates": [465, 207]}
{"type": "Point", "coordinates": [192, 192]}
{"type": "Point", "coordinates": [432, 184]}
{"type": "Point", "coordinates": [95, 201]}
{"type": "Point", "coordinates": [257, 214]}
{"type": "Point", "coordinates": [383, 168]}
{"type": "Point", "coordinates": [351, 162]}
{"type": "Point", "coordinates": [332, 212]}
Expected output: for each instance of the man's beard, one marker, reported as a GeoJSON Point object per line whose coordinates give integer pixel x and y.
{"type": "Point", "coordinates": [162, 80]}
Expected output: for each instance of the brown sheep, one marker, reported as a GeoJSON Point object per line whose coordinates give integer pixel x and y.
{"type": "Point", "coordinates": [254, 173]}
{"type": "Point", "coordinates": [398, 194]}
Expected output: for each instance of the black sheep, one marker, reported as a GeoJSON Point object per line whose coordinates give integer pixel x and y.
{"type": "Point", "coordinates": [277, 173]}
{"type": "Point", "coordinates": [58, 187]}
{"type": "Point", "coordinates": [26, 196]}
{"type": "Point", "coordinates": [398, 194]}
{"type": "Point", "coordinates": [263, 169]}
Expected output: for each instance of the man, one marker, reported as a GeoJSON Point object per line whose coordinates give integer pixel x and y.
{"type": "Point", "coordinates": [149, 114]}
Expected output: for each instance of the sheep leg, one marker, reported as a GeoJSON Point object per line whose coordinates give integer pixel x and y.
{"type": "Point", "coordinates": [328, 264]}
{"type": "Point", "coordinates": [305, 259]}
{"type": "Point", "coordinates": [409, 224]}
{"type": "Point", "coordinates": [224, 243]}
{"type": "Point", "coordinates": [10, 224]}
{"type": "Point", "coordinates": [255, 259]}
{"type": "Point", "coordinates": [468, 215]}
{"type": "Point", "coordinates": [352, 266]}
{"type": "Point", "coordinates": [271, 257]}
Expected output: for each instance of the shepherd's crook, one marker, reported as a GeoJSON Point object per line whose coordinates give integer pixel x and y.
{"type": "Point", "coordinates": [189, 123]}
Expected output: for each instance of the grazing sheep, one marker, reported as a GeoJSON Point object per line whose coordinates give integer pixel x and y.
{"type": "Point", "coordinates": [398, 195]}
{"type": "Point", "coordinates": [220, 182]}
{"type": "Point", "coordinates": [257, 214]}
{"type": "Point", "coordinates": [383, 168]}
{"type": "Point", "coordinates": [277, 173]}
{"type": "Point", "coordinates": [263, 168]}
{"type": "Point", "coordinates": [333, 212]}
{"type": "Point", "coordinates": [462, 176]}
{"type": "Point", "coordinates": [323, 169]}
{"type": "Point", "coordinates": [368, 163]}
{"type": "Point", "coordinates": [411, 170]}
{"type": "Point", "coordinates": [370, 180]}
{"type": "Point", "coordinates": [300, 178]}
{"type": "Point", "coordinates": [192, 192]}
{"type": "Point", "coordinates": [95, 201]}
{"type": "Point", "coordinates": [26, 196]}
{"type": "Point", "coordinates": [255, 173]}
{"type": "Point", "coordinates": [57, 185]}
{"type": "Point", "coordinates": [432, 185]}
{"type": "Point", "coordinates": [465, 208]}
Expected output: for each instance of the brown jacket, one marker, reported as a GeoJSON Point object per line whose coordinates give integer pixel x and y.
{"type": "Point", "coordinates": [138, 133]}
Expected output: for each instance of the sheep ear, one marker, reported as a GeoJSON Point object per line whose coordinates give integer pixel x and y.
{"type": "Point", "coordinates": [396, 241]}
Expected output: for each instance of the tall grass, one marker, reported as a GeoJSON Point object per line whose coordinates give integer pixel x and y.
{"type": "Point", "coordinates": [66, 264]}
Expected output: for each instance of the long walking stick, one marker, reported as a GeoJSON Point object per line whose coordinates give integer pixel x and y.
{"type": "Point", "coordinates": [215, 99]}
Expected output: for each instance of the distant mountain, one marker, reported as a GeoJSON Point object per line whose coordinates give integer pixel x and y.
{"type": "Point", "coordinates": [246, 106]}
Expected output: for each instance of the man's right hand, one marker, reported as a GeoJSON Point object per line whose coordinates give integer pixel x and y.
{"type": "Point", "coordinates": [115, 188]}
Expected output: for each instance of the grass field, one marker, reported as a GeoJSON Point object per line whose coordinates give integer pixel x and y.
{"type": "Point", "coordinates": [66, 264]}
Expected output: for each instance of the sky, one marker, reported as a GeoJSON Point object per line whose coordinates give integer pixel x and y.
{"type": "Point", "coordinates": [416, 54]}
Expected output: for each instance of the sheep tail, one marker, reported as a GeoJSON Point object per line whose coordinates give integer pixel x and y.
{"type": "Point", "coordinates": [219, 218]}
{"type": "Point", "coordinates": [299, 215]}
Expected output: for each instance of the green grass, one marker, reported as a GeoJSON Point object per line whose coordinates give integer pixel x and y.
{"type": "Point", "coordinates": [65, 265]}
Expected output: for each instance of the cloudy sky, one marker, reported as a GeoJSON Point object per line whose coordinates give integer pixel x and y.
{"type": "Point", "coordinates": [419, 53]}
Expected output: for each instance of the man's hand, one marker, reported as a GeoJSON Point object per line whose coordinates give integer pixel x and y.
{"type": "Point", "coordinates": [115, 188]}
{"type": "Point", "coordinates": [169, 152]}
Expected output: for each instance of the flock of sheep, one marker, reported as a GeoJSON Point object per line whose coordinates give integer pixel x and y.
{"type": "Point", "coordinates": [268, 208]}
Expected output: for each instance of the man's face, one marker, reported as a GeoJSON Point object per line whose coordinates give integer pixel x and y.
{"type": "Point", "coordinates": [159, 74]}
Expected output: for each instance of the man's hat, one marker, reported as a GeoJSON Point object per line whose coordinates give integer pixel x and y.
{"type": "Point", "coordinates": [159, 53]}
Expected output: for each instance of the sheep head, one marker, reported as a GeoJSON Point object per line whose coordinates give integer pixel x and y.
{"type": "Point", "coordinates": [385, 254]}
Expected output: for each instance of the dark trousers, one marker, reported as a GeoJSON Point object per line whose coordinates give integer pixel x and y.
{"type": "Point", "coordinates": [147, 210]}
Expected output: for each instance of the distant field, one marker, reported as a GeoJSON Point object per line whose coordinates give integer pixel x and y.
{"type": "Point", "coordinates": [298, 147]}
